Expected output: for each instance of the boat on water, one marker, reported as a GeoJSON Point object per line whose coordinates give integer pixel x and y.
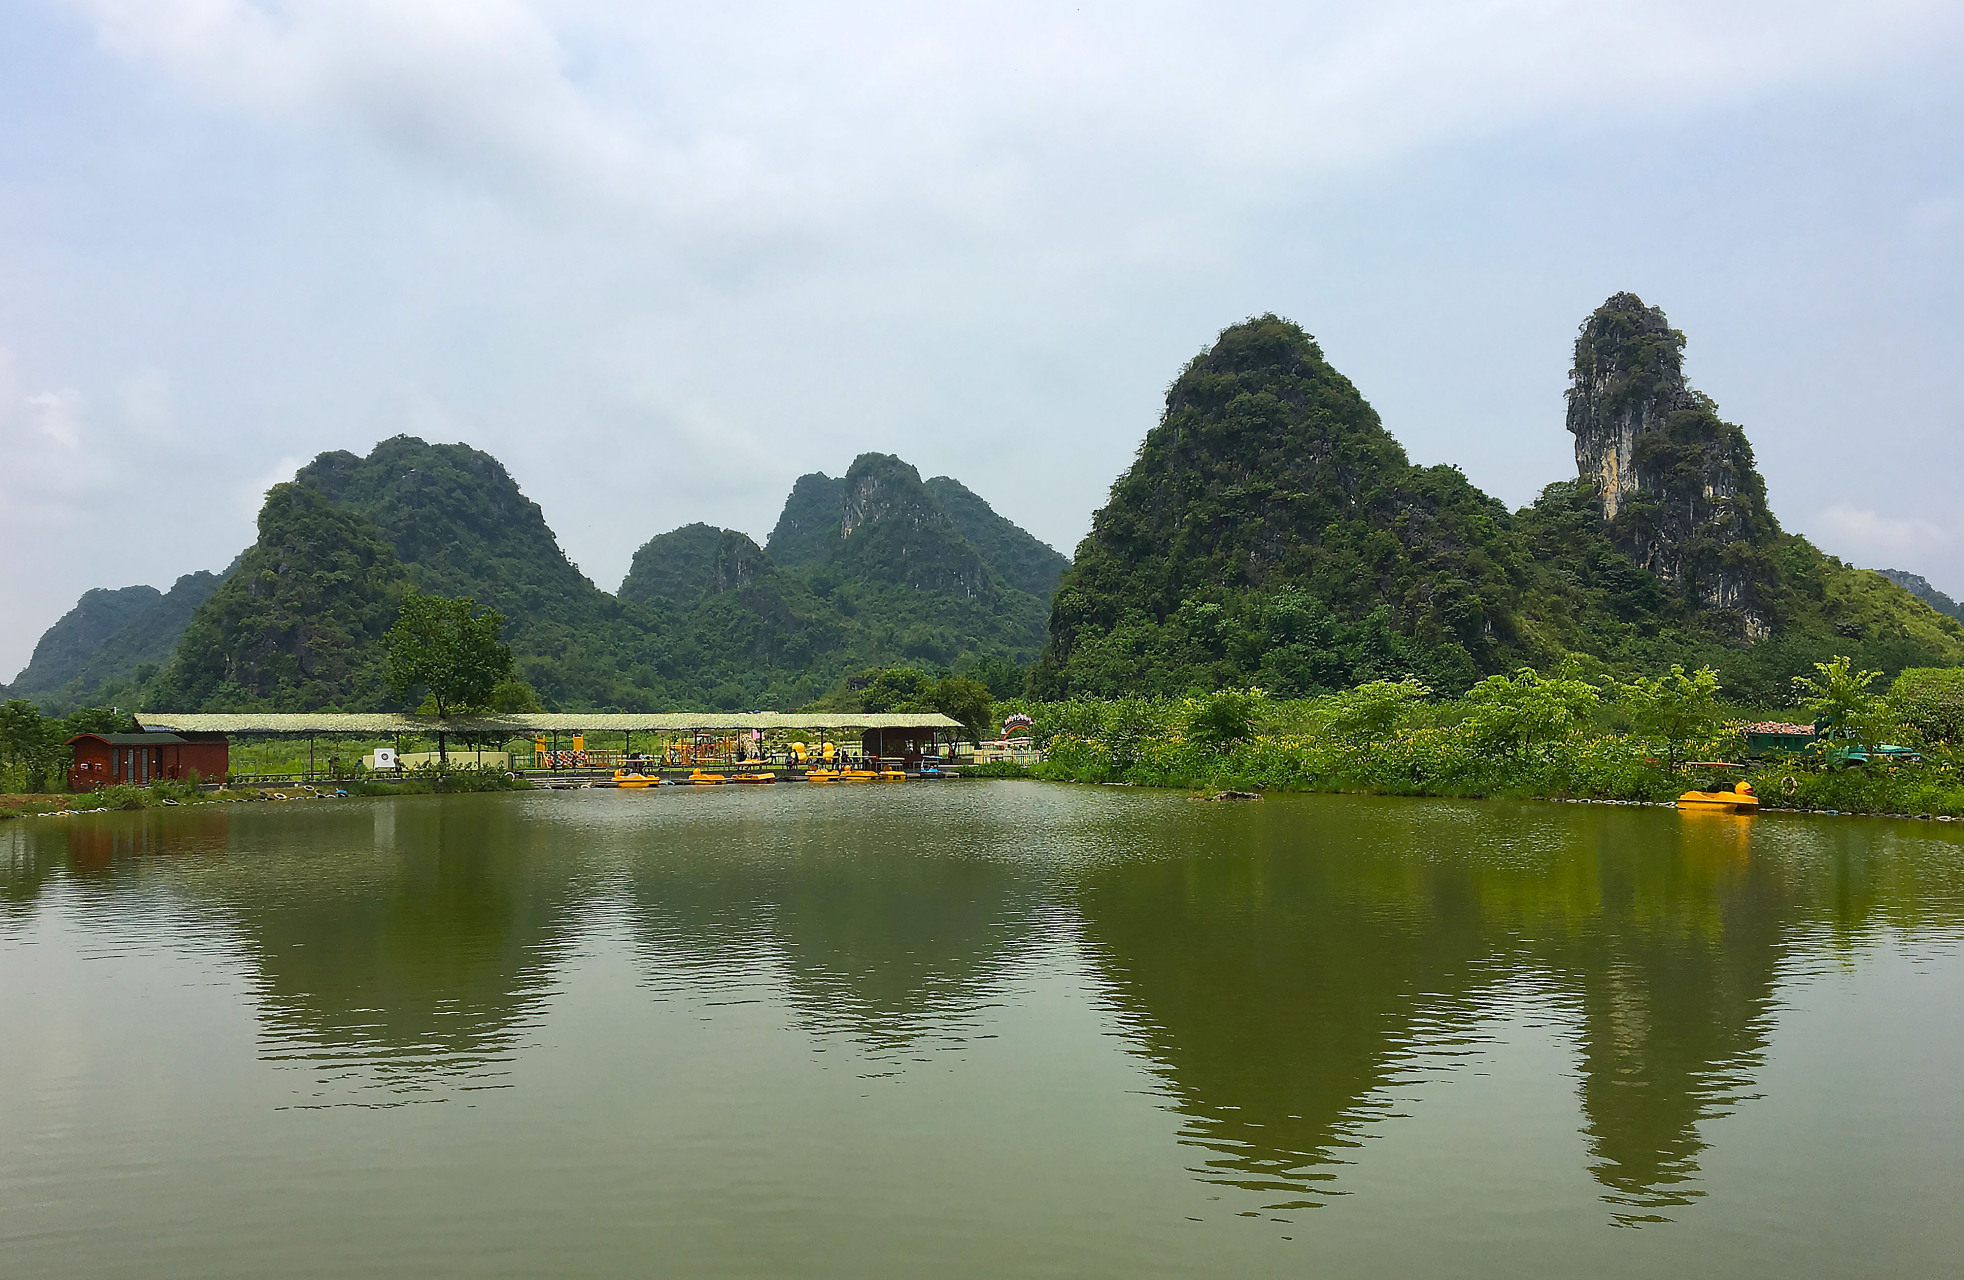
{"type": "Point", "coordinates": [1740, 799]}
{"type": "Point", "coordinates": [624, 779]}
{"type": "Point", "coordinates": [821, 775]}
{"type": "Point", "coordinates": [753, 777]}
{"type": "Point", "coordinates": [703, 778]}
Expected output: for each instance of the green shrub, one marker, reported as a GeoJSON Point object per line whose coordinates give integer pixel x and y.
{"type": "Point", "coordinates": [1929, 703]}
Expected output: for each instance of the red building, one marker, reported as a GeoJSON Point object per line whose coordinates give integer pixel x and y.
{"type": "Point", "coordinates": [104, 759]}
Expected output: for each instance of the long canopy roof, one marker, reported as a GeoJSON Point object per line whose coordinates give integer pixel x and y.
{"type": "Point", "coordinates": [525, 725]}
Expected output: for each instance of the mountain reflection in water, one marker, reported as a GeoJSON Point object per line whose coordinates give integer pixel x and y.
{"type": "Point", "coordinates": [1279, 967]}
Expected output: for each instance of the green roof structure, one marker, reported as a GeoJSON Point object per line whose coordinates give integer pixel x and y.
{"type": "Point", "coordinates": [525, 725]}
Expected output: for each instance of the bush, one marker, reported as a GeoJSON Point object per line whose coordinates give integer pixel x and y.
{"type": "Point", "coordinates": [1929, 703]}
{"type": "Point", "coordinates": [996, 769]}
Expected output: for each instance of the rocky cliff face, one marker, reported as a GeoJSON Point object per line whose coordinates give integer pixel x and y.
{"type": "Point", "coordinates": [1024, 562]}
{"type": "Point", "coordinates": [738, 563]}
{"type": "Point", "coordinates": [1680, 495]}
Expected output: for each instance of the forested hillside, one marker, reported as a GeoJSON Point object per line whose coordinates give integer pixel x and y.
{"type": "Point", "coordinates": [1272, 533]}
{"type": "Point", "coordinates": [705, 617]}
{"type": "Point", "coordinates": [299, 624]}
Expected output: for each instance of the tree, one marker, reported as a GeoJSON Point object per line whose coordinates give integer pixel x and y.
{"type": "Point", "coordinates": [1222, 719]}
{"type": "Point", "coordinates": [512, 697]}
{"type": "Point", "coordinates": [1841, 702]}
{"type": "Point", "coordinates": [1515, 714]}
{"type": "Point", "coordinates": [1375, 710]}
{"type": "Point", "coordinates": [29, 745]}
{"type": "Point", "coordinates": [1930, 702]}
{"type": "Point", "coordinates": [1004, 678]}
{"type": "Point", "coordinates": [897, 689]}
{"type": "Point", "coordinates": [966, 700]}
{"type": "Point", "coordinates": [1676, 708]}
{"type": "Point", "coordinates": [452, 652]}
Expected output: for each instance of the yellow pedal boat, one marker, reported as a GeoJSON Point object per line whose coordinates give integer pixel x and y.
{"type": "Point", "coordinates": [753, 777]}
{"type": "Point", "coordinates": [703, 778]}
{"type": "Point", "coordinates": [821, 775]}
{"type": "Point", "coordinates": [622, 778]}
{"type": "Point", "coordinates": [1738, 800]}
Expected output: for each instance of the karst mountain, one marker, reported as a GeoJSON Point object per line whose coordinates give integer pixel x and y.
{"type": "Point", "coordinates": [1270, 532]}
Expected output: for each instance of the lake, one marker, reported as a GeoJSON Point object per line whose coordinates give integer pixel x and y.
{"type": "Point", "coordinates": [977, 1029]}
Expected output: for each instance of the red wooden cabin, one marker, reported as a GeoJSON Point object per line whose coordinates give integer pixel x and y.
{"type": "Point", "coordinates": [104, 759]}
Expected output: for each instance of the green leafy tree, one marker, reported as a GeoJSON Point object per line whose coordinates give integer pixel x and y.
{"type": "Point", "coordinates": [1225, 718]}
{"type": "Point", "coordinates": [1374, 711]}
{"type": "Point", "coordinates": [1516, 713]}
{"type": "Point", "coordinates": [96, 720]}
{"type": "Point", "coordinates": [966, 700]}
{"type": "Point", "coordinates": [1675, 709]}
{"type": "Point", "coordinates": [1844, 707]}
{"type": "Point", "coordinates": [451, 651]}
{"type": "Point", "coordinates": [30, 745]}
{"type": "Point", "coordinates": [1004, 678]}
{"type": "Point", "coordinates": [513, 697]}
{"type": "Point", "coordinates": [1929, 701]}
{"type": "Point", "coordinates": [897, 689]}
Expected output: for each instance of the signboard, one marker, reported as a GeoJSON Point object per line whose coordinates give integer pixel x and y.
{"type": "Point", "coordinates": [385, 758]}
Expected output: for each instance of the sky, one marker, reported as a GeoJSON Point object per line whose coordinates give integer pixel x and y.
{"type": "Point", "coordinates": [661, 259]}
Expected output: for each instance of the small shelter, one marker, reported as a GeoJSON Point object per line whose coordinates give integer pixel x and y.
{"type": "Point", "coordinates": [907, 743]}
{"type": "Point", "coordinates": [106, 759]}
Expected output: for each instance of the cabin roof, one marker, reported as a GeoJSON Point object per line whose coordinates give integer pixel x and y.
{"type": "Point", "coordinates": [129, 739]}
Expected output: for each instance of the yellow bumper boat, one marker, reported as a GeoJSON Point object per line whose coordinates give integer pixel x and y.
{"type": "Point", "coordinates": [1738, 800]}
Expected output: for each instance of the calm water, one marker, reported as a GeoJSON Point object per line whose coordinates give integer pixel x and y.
{"type": "Point", "coordinates": [977, 1029]}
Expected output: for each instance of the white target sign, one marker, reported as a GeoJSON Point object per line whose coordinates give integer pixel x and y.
{"type": "Point", "coordinates": [385, 757]}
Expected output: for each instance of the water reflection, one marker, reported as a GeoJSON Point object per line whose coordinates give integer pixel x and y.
{"type": "Point", "coordinates": [1289, 964]}
{"type": "Point", "coordinates": [871, 932]}
{"type": "Point", "coordinates": [394, 949]}
{"type": "Point", "coordinates": [1282, 967]}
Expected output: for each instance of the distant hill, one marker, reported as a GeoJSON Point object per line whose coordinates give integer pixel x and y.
{"type": "Point", "coordinates": [462, 527]}
{"type": "Point", "coordinates": [703, 618]}
{"type": "Point", "coordinates": [65, 648]}
{"type": "Point", "coordinates": [864, 570]}
{"type": "Point", "coordinates": [672, 570]}
{"type": "Point", "coordinates": [124, 660]}
{"type": "Point", "coordinates": [458, 522]}
{"type": "Point", "coordinates": [1919, 586]}
{"type": "Point", "coordinates": [878, 545]}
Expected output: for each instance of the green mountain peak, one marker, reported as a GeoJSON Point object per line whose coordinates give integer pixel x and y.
{"type": "Point", "coordinates": [298, 626]}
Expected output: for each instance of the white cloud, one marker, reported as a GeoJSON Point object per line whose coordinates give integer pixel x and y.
{"type": "Point", "coordinates": [1845, 527]}
{"type": "Point", "coordinates": [768, 116]}
{"type": "Point", "coordinates": [58, 416]}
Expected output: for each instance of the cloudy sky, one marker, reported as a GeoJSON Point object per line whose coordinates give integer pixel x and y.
{"type": "Point", "coordinates": [661, 258]}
